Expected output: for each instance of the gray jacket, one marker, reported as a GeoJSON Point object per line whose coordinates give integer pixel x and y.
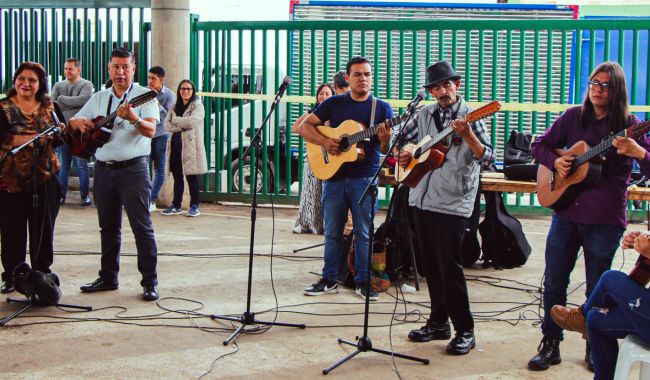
{"type": "Point", "coordinates": [450, 189]}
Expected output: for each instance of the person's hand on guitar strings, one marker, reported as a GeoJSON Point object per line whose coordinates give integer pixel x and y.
{"type": "Point", "coordinates": [629, 238]}
{"type": "Point", "coordinates": [125, 111]}
{"type": "Point", "coordinates": [332, 146]}
{"type": "Point", "coordinates": [563, 165]}
{"type": "Point", "coordinates": [403, 157]}
{"type": "Point", "coordinates": [80, 124]}
{"type": "Point", "coordinates": [462, 128]}
{"type": "Point", "coordinates": [628, 147]}
{"type": "Point", "coordinates": [384, 133]}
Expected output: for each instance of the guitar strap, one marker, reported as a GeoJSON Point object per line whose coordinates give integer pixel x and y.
{"type": "Point", "coordinates": [110, 100]}
{"type": "Point", "coordinates": [438, 122]}
{"type": "Point", "coordinates": [372, 112]}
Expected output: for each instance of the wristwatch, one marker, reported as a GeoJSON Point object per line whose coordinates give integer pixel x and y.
{"type": "Point", "coordinates": [137, 123]}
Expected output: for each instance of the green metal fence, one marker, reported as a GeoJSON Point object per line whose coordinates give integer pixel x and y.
{"type": "Point", "coordinates": [50, 35]}
{"type": "Point", "coordinates": [531, 66]}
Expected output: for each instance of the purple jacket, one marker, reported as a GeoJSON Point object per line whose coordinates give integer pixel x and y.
{"type": "Point", "coordinates": [606, 201]}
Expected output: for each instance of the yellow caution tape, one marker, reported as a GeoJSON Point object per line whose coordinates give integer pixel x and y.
{"type": "Point", "coordinates": [402, 103]}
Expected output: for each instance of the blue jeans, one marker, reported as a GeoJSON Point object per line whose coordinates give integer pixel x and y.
{"type": "Point", "coordinates": [157, 157]}
{"type": "Point", "coordinates": [339, 196]}
{"type": "Point", "coordinates": [599, 243]}
{"type": "Point", "coordinates": [628, 312]}
{"type": "Point", "coordinates": [66, 159]}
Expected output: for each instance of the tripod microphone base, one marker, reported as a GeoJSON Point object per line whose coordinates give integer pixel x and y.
{"type": "Point", "coordinates": [247, 319]}
{"type": "Point", "coordinates": [364, 344]}
{"type": "Point", "coordinates": [28, 303]}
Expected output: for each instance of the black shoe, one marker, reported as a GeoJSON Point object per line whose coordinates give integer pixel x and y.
{"type": "Point", "coordinates": [462, 343]}
{"type": "Point", "coordinates": [548, 354]}
{"type": "Point", "coordinates": [7, 287]}
{"type": "Point", "coordinates": [85, 201]}
{"type": "Point", "coordinates": [361, 292]}
{"type": "Point", "coordinates": [150, 293]}
{"type": "Point", "coordinates": [62, 200]}
{"type": "Point", "coordinates": [99, 285]}
{"type": "Point", "coordinates": [590, 363]}
{"type": "Point", "coordinates": [431, 331]}
{"type": "Point", "coordinates": [321, 287]}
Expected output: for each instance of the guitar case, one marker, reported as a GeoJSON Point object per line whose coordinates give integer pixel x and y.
{"type": "Point", "coordinates": [504, 243]}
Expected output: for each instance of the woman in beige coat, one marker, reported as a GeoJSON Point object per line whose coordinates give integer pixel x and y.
{"type": "Point", "coordinates": [186, 149]}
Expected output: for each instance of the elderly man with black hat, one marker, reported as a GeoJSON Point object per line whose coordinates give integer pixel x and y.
{"type": "Point", "coordinates": [442, 202]}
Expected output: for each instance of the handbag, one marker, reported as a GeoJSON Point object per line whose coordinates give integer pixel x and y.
{"type": "Point", "coordinates": [517, 149]}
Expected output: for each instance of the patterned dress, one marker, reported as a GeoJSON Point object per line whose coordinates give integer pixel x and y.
{"type": "Point", "coordinates": [310, 217]}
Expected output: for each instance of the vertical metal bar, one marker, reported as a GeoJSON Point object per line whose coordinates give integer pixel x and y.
{"type": "Point", "coordinates": [481, 63]}
{"type": "Point", "coordinates": [74, 39]}
{"type": "Point", "coordinates": [592, 49]}
{"type": "Point", "coordinates": [506, 129]}
{"type": "Point", "coordinates": [218, 112]}
{"type": "Point", "coordinates": [87, 53]}
{"type": "Point", "coordinates": [578, 66]}
{"type": "Point", "coordinates": [252, 123]}
{"type": "Point", "coordinates": [338, 50]}
{"type": "Point", "coordinates": [228, 88]}
{"type": "Point", "coordinates": [120, 36]}
{"type": "Point", "coordinates": [401, 67]}
{"type": "Point", "coordinates": [468, 56]}
{"type": "Point", "coordinates": [97, 56]}
{"type": "Point", "coordinates": [240, 121]}
{"type": "Point", "coordinates": [142, 48]}
{"type": "Point", "coordinates": [33, 36]}
{"type": "Point", "coordinates": [564, 90]}
{"type": "Point", "coordinates": [414, 64]}
{"type": "Point", "coordinates": [130, 29]}
{"type": "Point", "coordinates": [65, 36]}
{"type": "Point", "coordinates": [25, 37]}
{"type": "Point", "coordinates": [389, 65]}
{"type": "Point", "coordinates": [265, 80]}
{"type": "Point", "coordinates": [350, 44]}
{"type": "Point", "coordinates": [454, 49]}
{"type": "Point", "coordinates": [301, 85]}
{"type": "Point", "coordinates": [494, 84]}
{"type": "Point", "coordinates": [536, 54]}
{"type": "Point", "coordinates": [207, 79]}
{"type": "Point", "coordinates": [635, 67]}
{"type": "Point", "coordinates": [427, 48]}
{"type": "Point", "coordinates": [363, 43]}
{"type": "Point", "coordinates": [4, 43]}
{"type": "Point", "coordinates": [43, 41]}
{"type": "Point", "coordinates": [288, 106]}
{"type": "Point", "coordinates": [54, 55]}
{"type": "Point", "coordinates": [326, 73]}
{"type": "Point", "coordinates": [109, 41]}
{"type": "Point", "coordinates": [441, 44]}
{"type": "Point", "coordinates": [375, 83]}
{"type": "Point", "coordinates": [621, 46]}
{"type": "Point", "coordinates": [521, 98]}
{"type": "Point", "coordinates": [608, 44]}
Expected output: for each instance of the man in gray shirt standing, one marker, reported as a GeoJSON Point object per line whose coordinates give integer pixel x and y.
{"type": "Point", "coordinates": [166, 99]}
{"type": "Point", "coordinates": [71, 94]}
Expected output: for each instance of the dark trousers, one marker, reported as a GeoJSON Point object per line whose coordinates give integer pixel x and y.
{"type": "Point", "coordinates": [130, 188]}
{"type": "Point", "coordinates": [176, 167]}
{"type": "Point", "coordinates": [440, 238]}
{"type": "Point", "coordinates": [16, 216]}
{"type": "Point", "coordinates": [158, 156]}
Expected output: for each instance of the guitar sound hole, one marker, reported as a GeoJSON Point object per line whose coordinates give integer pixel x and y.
{"type": "Point", "coordinates": [345, 144]}
{"type": "Point", "coordinates": [418, 153]}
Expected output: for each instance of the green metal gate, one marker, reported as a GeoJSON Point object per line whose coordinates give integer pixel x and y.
{"type": "Point", "coordinates": [525, 64]}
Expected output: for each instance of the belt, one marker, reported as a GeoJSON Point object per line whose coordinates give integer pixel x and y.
{"type": "Point", "coordinates": [120, 164]}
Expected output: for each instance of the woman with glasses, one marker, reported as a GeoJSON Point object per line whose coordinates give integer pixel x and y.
{"type": "Point", "coordinates": [310, 215]}
{"type": "Point", "coordinates": [186, 148]}
{"type": "Point", "coordinates": [596, 218]}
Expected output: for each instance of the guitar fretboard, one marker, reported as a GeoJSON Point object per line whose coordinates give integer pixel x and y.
{"type": "Point", "coordinates": [135, 102]}
{"type": "Point", "coordinates": [631, 132]}
{"type": "Point", "coordinates": [369, 132]}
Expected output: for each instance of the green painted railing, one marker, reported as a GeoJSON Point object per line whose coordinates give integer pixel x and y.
{"type": "Point", "coordinates": [531, 66]}
{"type": "Point", "coordinates": [51, 35]}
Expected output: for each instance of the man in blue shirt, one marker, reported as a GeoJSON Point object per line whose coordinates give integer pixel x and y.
{"type": "Point", "coordinates": [343, 191]}
{"type": "Point", "coordinates": [166, 99]}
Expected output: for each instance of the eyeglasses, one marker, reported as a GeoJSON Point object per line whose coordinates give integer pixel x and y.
{"type": "Point", "coordinates": [601, 86]}
{"type": "Point", "coordinates": [186, 88]}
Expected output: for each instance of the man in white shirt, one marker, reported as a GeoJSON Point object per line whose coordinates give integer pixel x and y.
{"type": "Point", "coordinates": [122, 174]}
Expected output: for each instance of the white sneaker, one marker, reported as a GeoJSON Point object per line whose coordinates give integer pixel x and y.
{"type": "Point", "coordinates": [152, 207]}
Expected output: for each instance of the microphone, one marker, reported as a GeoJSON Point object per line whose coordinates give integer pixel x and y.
{"type": "Point", "coordinates": [283, 87]}
{"type": "Point", "coordinates": [418, 98]}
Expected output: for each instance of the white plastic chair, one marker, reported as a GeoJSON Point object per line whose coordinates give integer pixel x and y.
{"type": "Point", "coordinates": [632, 350]}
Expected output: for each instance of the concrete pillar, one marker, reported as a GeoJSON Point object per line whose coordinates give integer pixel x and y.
{"type": "Point", "coordinates": [170, 48]}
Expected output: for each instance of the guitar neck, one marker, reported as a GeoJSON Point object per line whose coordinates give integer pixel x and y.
{"type": "Point", "coordinates": [108, 120]}
{"type": "Point", "coordinates": [631, 132]}
{"type": "Point", "coordinates": [369, 132]}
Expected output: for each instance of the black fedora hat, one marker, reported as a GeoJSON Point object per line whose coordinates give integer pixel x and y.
{"type": "Point", "coordinates": [440, 71]}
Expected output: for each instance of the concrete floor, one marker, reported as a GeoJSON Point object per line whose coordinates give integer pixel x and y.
{"type": "Point", "coordinates": [203, 266]}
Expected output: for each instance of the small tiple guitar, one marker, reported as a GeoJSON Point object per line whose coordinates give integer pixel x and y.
{"type": "Point", "coordinates": [641, 271]}
{"type": "Point", "coordinates": [85, 145]}
{"type": "Point", "coordinates": [429, 153]}
{"type": "Point", "coordinates": [325, 165]}
{"type": "Point", "coordinates": [556, 192]}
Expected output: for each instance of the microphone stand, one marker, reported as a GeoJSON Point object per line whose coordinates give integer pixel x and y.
{"type": "Point", "coordinates": [248, 317]}
{"type": "Point", "coordinates": [34, 234]}
{"type": "Point", "coordinates": [364, 344]}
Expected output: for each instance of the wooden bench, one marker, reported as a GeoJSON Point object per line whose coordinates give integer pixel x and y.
{"type": "Point", "coordinates": [497, 182]}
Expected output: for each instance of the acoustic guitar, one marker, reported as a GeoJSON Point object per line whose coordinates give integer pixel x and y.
{"type": "Point", "coordinates": [641, 271]}
{"type": "Point", "coordinates": [85, 145]}
{"type": "Point", "coordinates": [325, 165]}
{"type": "Point", "coordinates": [429, 153]}
{"type": "Point", "coordinates": [556, 192]}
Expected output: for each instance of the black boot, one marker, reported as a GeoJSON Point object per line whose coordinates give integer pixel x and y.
{"type": "Point", "coordinates": [590, 363]}
{"type": "Point", "coordinates": [548, 354]}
